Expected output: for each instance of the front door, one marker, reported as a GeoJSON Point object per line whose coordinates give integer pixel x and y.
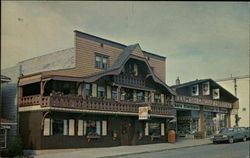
{"type": "Point", "coordinates": [126, 131]}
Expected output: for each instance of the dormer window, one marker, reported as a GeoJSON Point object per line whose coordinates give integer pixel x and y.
{"type": "Point", "coordinates": [101, 61]}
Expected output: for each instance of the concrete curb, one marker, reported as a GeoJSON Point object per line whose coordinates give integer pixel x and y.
{"type": "Point", "coordinates": [152, 151]}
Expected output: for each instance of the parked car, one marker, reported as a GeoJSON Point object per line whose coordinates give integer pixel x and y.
{"type": "Point", "coordinates": [229, 135]}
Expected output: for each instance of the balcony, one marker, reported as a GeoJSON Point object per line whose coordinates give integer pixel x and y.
{"type": "Point", "coordinates": [77, 102]}
{"type": "Point", "coordinates": [128, 79]}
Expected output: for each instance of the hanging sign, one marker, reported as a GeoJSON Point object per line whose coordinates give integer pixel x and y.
{"type": "Point", "coordinates": [144, 113]}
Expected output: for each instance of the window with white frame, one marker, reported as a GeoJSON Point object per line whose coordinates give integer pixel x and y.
{"type": "Point", "coordinates": [92, 128]}
{"type": "Point", "coordinates": [59, 127]}
{"type": "Point", "coordinates": [101, 61]}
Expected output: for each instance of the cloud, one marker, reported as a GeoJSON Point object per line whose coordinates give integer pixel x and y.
{"type": "Point", "coordinates": [199, 39]}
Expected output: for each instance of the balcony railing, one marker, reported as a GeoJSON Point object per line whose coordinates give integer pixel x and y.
{"type": "Point", "coordinates": [128, 79]}
{"type": "Point", "coordinates": [30, 100]}
{"type": "Point", "coordinates": [74, 102]}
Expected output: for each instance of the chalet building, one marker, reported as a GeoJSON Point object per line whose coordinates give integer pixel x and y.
{"type": "Point", "coordinates": [203, 106]}
{"type": "Point", "coordinates": [113, 95]}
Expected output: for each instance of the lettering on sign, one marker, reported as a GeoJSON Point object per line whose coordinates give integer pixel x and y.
{"type": "Point", "coordinates": [199, 101]}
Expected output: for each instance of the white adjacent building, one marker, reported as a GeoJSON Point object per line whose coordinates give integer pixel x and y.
{"type": "Point", "coordinates": [239, 86]}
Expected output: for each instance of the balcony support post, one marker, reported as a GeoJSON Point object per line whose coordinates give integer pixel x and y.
{"type": "Point", "coordinates": [119, 93]}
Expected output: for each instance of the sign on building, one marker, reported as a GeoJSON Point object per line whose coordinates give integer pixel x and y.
{"type": "Point", "coordinates": [144, 113]}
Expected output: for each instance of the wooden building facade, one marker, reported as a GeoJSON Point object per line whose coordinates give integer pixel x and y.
{"type": "Point", "coordinates": [115, 95]}
{"type": "Point", "coordinates": [204, 107]}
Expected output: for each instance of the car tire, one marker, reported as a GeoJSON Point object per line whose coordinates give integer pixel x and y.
{"type": "Point", "coordinates": [244, 139]}
{"type": "Point", "coordinates": [231, 140]}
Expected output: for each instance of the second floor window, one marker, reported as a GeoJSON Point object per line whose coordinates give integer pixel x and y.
{"type": "Point", "coordinates": [140, 96]}
{"type": "Point", "coordinates": [101, 61]}
{"type": "Point", "coordinates": [114, 93]}
{"type": "Point", "coordinates": [100, 91]}
{"type": "Point", "coordinates": [87, 87]}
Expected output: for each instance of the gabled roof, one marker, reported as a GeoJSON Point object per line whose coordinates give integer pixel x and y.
{"type": "Point", "coordinates": [201, 81]}
{"type": "Point", "coordinates": [190, 83]}
{"type": "Point", "coordinates": [116, 68]}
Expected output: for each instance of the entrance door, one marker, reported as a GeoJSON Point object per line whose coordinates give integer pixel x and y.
{"type": "Point", "coordinates": [126, 131]}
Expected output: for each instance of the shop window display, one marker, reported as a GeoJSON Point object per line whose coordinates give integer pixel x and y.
{"type": "Point", "coordinates": [154, 129]}
{"type": "Point", "coordinates": [92, 128]}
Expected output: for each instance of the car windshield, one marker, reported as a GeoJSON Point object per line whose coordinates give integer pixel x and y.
{"type": "Point", "coordinates": [226, 130]}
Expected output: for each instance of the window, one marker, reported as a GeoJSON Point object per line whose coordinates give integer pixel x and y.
{"type": "Point", "coordinates": [157, 98]}
{"type": "Point", "coordinates": [154, 129]}
{"type": "Point", "coordinates": [92, 128]}
{"type": "Point", "coordinates": [140, 96]}
{"type": "Point", "coordinates": [87, 87]}
{"type": "Point", "coordinates": [100, 91]}
{"type": "Point", "coordinates": [101, 61]}
{"type": "Point", "coordinates": [59, 127]}
{"type": "Point", "coordinates": [114, 93]}
{"type": "Point", "coordinates": [104, 62]}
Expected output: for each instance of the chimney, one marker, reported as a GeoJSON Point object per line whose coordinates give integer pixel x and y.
{"type": "Point", "coordinates": [20, 71]}
{"type": "Point", "coordinates": [177, 81]}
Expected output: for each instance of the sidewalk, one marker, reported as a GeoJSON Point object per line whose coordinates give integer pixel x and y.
{"type": "Point", "coordinates": [120, 150]}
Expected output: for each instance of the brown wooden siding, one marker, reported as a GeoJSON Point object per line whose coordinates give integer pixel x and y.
{"type": "Point", "coordinates": [85, 59]}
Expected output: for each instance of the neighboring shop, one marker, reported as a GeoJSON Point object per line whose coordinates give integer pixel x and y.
{"type": "Point", "coordinates": [203, 108]}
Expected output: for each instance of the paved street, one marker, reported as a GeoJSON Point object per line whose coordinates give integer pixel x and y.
{"type": "Point", "coordinates": [236, 150]}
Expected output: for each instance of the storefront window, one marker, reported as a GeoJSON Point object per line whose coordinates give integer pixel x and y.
{"type": "Point", "coordinates": [100, 91]}
{"type": "Point", "coordinates": [154, 129]}
{"type": "Point", "coordinates": [59, 127]}
{"type": "Point", "coordinates": [92, 128]}
{"type": "Point", "coordinates": [114, 93]}
{"type": "Point", "coordinates": [87, 89]}
{"type": "Point", "coordinates": [210, 122]}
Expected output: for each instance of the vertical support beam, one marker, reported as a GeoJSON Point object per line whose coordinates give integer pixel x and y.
{"type": "Point", "coordinates": [146, 97]}
{"type": "Point", "coordinates": [119, 93]}
{"type": "Point", "coordinates": [83, 92]}
{"type": "Point", "coordinates": [41, 88]}
{"type": "Point", "coordinates": [152, 97]}
{"type": "Point", "coordinates": [94, 90]}
{"type": "Point", "coordinates": [202, 122]}
{"type": "Point", "coordinates": [162, 99]}
{"type": "Point", "coordinates": [134, 96]}
{"type": "Point", "coordinates": [229, 118]}
{"type": "Point", "coordinates": [108, 92]}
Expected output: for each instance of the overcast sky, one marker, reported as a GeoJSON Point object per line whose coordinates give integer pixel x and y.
{"type": "Point", "coordinates": [199, 39]}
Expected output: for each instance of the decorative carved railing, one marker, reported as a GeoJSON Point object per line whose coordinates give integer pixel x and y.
{"type": "Point", "coordinates": [74, 102]}
{"type": "Point", "coordinates": [128, 79]}
{"type": "Point", "coordinates": [30, 100]}
{"type": "Point", "coordinates": [199, 101]}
